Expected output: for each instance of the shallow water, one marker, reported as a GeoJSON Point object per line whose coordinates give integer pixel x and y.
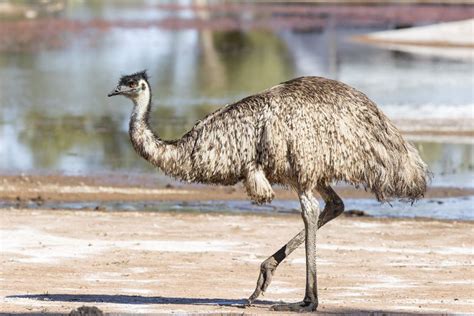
{"type": "Point", "coordinates": [55, 116]}
{"type": "Point", "coordinates": [459, 208]}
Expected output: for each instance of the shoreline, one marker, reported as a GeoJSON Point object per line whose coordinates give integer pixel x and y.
{"type": "Point", "coordinates": [454, 34]}
{"type": "Point", "coordinates": [354, 214]}
{"type": "Point", "coordinates": [451, 40]}
{"type": "Point", "coordinates": [141, 187]}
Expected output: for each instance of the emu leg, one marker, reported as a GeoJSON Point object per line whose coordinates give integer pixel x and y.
{"type": "Point", "coordinates": [268, 267]}
{"type": "Point", "coordinates": [332, 209]}
{"type": "Point", "coordinates": [333, 205]}
{"type": "Point", "coordinates": [310, 213]}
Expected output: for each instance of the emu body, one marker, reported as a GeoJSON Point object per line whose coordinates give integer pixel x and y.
{"type": "Point", "coordinates": [305, 134]}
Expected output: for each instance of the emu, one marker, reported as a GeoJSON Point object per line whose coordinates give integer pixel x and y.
{"type": "Point", "coordinates": [305, 134]}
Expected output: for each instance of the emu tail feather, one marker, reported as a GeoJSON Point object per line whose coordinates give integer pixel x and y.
{"type": "Point", "coordinates": [406, 179]}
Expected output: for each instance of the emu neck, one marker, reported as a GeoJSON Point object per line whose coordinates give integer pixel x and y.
{"type": "Point", "coordinates": [162, 154]}
{"type": "Point", "coordinates": [142, 105]}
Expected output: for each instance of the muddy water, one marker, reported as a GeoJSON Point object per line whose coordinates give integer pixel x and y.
{"type": "Point", "coordinates": [461, 208]}
{"type": "Point", "coordinates": [55, 116]}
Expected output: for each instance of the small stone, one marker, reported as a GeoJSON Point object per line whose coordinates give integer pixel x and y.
{"type": "Point", "coordinates": [86, 311]}
{"type": "Point", "coordinates": [355, 213]}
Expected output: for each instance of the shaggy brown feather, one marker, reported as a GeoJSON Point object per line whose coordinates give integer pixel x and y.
{"type": "Point", "coordinates": [305, 132]}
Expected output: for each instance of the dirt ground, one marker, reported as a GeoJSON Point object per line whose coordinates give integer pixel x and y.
{"type": "Point", "coordinates": [113, 187]}
{"type": "Point", "coordinates": [144, 262]}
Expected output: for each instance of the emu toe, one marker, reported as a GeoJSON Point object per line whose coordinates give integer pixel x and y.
{"type": "Point", "coordinates": [295, 307]}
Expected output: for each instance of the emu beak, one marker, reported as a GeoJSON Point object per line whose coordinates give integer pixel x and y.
{"type": "Point", "coordinates": [118, 90]}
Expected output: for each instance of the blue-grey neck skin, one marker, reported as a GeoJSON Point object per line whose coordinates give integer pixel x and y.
{"type": "Point", "coordinates": [142, 103]}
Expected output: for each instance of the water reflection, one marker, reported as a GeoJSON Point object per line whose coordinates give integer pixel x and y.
{"type": "Point", "coordinates": [54, 114]}
{"type": "Point", "coordinates": [242, 61]}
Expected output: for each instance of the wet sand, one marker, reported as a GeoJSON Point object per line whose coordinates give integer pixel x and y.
{"type": "Point", "coordinates": [113, 187]}
{"type": "Point", "coordinates": [142, 262]}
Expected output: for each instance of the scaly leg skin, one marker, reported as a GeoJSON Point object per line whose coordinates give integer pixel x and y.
{"type": "Point", "coordinates": [332, 209]}
{"type": "Point", "coordinates": [268, 267]}
{"type": "Point", "coordinates": [333, 205]}
{"type": "Point", "coordinates": [310, 213]}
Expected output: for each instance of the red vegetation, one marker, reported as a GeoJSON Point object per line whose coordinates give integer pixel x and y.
{"type": "Point", "coordinates": [30, 35]}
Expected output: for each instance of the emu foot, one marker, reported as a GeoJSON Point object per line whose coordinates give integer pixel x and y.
{"type": "Point", "coordinates": [267, 269]}
{"type": "Point", "coordinates": [295, 307]}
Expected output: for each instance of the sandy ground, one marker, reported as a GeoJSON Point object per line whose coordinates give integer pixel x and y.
{"type": "Point", "coordinates": [139, 262]}
{"type": "Point", "coordinates": [448, 34]}
{"type": "Point", "coordinates": [449, 40]}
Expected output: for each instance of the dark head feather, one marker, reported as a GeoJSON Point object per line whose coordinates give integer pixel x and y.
{"type": "Point", "coordinates": [135, 77]}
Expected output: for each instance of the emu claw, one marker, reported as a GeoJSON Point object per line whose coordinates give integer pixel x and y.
{"type": "Point", "coordinates": [267, 269]}
{"type": "Point", "coordinates": [295, 307]}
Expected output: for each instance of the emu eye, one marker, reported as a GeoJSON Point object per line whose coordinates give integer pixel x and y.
{"type": "Point", "coordinates": [132, 84]}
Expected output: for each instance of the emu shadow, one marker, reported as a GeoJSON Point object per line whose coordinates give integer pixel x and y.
{"type": "Point", "coordinates": [135, 299]}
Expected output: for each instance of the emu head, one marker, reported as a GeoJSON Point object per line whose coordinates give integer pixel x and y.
{"type": "Point", "coordinates": [132, 86]}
